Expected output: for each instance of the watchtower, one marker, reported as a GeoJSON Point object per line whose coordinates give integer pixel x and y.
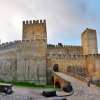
{"type": "Point", "coordinates": [35, 32]}
{"type": "Point", "coordinates": [35, 29]}
{"type": "Point", "coordinates": [89, 42]}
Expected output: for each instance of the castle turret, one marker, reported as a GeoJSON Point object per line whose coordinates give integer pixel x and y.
{"type": "Point", "coordinates": [35, 29]}
{"type": "Point", "coordinates": [89, 42]}
{"type": "Point", "coordinates": [33, 52]}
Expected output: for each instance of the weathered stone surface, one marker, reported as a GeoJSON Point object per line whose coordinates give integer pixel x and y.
{"type": "Point", "coordinates": [31, 59]}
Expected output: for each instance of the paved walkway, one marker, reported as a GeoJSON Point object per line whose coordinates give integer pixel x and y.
{"type": "Point", "coordinates": [21, 93]}
{"type": "Point", "coordinates": [81, 90]}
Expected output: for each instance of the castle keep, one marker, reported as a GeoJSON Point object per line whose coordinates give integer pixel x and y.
{"type": "Point", "coordinates": [32, 59]}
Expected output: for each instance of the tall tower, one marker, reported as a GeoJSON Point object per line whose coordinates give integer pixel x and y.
{"type": "Point", "coordinates": [89, 42]}
{"type": "Point", "coordinates": [34, 56]}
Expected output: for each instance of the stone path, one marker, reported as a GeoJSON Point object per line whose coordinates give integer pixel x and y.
{"type": "Point", "coordinates": [81, 90]}
{"type": "Point", "coordinates": [82, 93]}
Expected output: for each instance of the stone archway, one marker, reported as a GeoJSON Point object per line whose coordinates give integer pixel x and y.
{"type": "Point", "coordinates": [57, 84]}
{"type": "Point", "coordinates": [56, 68]}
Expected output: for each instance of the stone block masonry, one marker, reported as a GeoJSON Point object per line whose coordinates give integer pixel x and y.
{"type": "Point", "coordinates": [32, 59]}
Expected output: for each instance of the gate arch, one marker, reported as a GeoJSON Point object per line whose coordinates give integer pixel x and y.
{"type": "Point", "coordinates": [56, 68]}
{"type": "Point", "coordinates": [57, 84]}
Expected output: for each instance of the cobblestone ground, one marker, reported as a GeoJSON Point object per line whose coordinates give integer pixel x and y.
{"type": "Point", "coordinates": [82, 93]}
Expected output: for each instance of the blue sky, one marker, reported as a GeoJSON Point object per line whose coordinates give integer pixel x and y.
{"type": "Point", "coordinates": [66, 19]}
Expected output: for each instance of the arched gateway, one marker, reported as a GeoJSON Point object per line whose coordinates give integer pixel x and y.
{"type": "Point", "coordinates": [56, 68]}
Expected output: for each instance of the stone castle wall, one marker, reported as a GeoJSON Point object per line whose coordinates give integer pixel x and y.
{"type": "Point", "coordinates": [31, 63]}
{"type": "Point", "coordinates": [64, 50]}
{"type": "Point", "coordinates": [22, 61]}
{"type": "Point", "coordinates": [77, 65]}
{"type": "Point", "coordinates": [8, 61]}
{"type": "Point", "coordinates": [93, 63]}
{"type": "Point", "coordinates": [31, 59]}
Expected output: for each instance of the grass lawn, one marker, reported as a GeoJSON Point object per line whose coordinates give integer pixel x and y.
{"type": "Point", "coordinates": [27, 84]}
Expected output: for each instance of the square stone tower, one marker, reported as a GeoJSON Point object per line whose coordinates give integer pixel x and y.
{"type": "Point", "coordinates": [32, 53]}
{"type": "Point", "coordinates": [89, 42]}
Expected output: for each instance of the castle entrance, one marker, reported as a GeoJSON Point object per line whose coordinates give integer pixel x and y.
{"type": "Point", "coordinates": [56, 68]}
{"type": "Point", "coordinates": [57, 85]}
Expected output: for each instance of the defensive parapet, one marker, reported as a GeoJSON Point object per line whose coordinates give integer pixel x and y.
{"type": "Point", "coordinates": [29, 22]}
{"type": "Point", "coordinates": [9, 45]}
{"type": "Point", "coordinates": [34, 29]}
{"type": "Point", "coordinates": [62, 46]}
{"type": "Point", "coordinates": [14, 44]}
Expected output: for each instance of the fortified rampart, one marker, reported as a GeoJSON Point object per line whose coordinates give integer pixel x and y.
{"type": "Point", "coordinates": [64, 50]}
{"type": "Point", "coordinates": [32, 59]}
{"type": "Point", "coordinates": [13, 44]}
{"type": "Point", "coordinates": [25, 60]}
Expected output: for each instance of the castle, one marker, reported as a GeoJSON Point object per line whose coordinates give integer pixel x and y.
{"type": "Point", "coordinates": [32, 59]}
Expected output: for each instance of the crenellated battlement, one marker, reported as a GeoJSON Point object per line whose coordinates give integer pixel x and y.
{"type": "Point", "coordinates": [33, 27]}
{"type": "Point", "coordinates": [14, 44]}
{"type": "Point", "coordinates": [63, 46]}
{"type": "Point", "coordinates": [29, 22]}
{"type": "Point", "coordinates": [9, 44]}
